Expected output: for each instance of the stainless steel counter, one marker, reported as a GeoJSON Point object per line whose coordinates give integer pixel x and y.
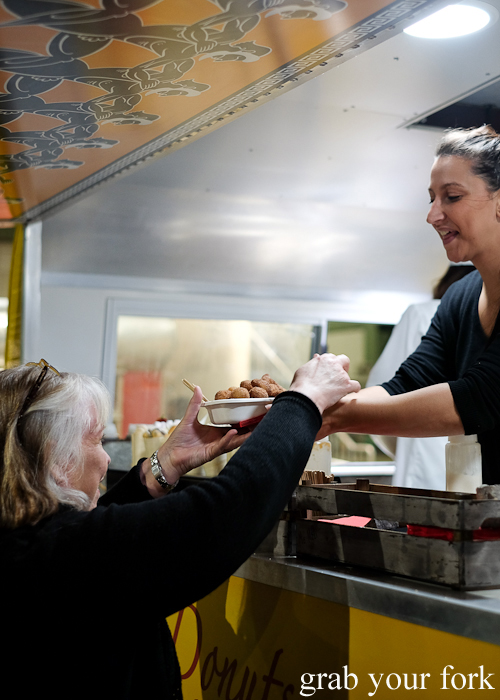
{"type": "Point", "coordinates": [475, 615]}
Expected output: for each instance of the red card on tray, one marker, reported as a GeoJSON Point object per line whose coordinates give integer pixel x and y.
{"type": "Point", "coordinates": [352, 520]}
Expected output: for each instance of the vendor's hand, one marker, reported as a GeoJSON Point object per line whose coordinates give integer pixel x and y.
{"type": "Point", "coordinates": [192, 444]}
{"type": "Point", "coordinates": [325, 380]}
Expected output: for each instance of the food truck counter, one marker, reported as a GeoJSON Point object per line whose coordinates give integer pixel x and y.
{"type": "Point", "coordinates": [474, 614]}
{"type": "Point", "coordinates": [286, 627]}
{"type": "Point", "coordinates": [296, 625]}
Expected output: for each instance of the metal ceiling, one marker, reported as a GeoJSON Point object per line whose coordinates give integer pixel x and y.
{"type": "Point", "coordinates": [319, 194]}
{"type": "Point", "coordinates": [92, 88]}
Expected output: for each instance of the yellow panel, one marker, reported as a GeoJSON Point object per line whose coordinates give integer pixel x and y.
{"type": "Point", "coordinates": [250, 641]}
{"type": "Point", "coordinates": [15, 319]}
{"type": "Point", "coordinates": [257, 639]}
{"type": "Point", "coordinates": [382, 645]}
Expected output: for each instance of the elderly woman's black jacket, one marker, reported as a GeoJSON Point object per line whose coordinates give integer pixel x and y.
{"type": "Point", "coordinates": [85, 594]}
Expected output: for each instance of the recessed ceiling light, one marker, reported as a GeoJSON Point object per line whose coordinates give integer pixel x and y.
{"type": "Point", "coordinates": [451, 21]}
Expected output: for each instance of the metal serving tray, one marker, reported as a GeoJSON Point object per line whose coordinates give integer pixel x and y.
{"type": "Point", "coordinates": [468, 556]}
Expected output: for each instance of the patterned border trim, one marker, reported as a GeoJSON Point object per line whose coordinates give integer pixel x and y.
{"type": "Point", "coordinates": [332, 51]}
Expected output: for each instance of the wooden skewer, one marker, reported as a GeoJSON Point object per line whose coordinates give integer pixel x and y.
{"type": "Point", "coordinates": [192, 387]}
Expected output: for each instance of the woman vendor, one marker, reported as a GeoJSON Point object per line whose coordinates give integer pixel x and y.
{"type": "Point", "coordinates": [86, 586]}
{"type": "Point", "coordinates": [450, 385]}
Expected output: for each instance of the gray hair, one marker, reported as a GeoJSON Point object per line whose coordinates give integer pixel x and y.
{"type": "Point", "coordinates": [41, 450]}
{"type": "Point", "coordinates": [480, 146]}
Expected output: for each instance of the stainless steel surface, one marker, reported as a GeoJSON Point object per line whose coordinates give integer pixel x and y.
{"type": "Point", "coordinates": [318, 194]}
{"type": "Point", "coordinates": [475, 615]}
{"type": "Point", "coordinates": [381, 472]}
{"type": "Point", "coordinates": [226, 77]}
{"type": "Point", "coordinates": [32, 260]}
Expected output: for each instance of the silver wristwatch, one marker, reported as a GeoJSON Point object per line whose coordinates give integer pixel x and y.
{"type": "Point", "coordinates": [159, 475]}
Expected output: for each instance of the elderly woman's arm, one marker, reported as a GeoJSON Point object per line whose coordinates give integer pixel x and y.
{"type": "Point", "coordinates": [323, 379]}
{"type": "Point", "coordinates": [186, 544]}
{"type": "Point", "coordinates": [169, 552]}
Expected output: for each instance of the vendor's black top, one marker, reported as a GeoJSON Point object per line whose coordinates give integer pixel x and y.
{"type": "Point", "coordinates": [85, 595]}
{"type": "Point", "coordinates": [456, 350]}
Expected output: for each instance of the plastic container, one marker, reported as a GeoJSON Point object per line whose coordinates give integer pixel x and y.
{"type": "Point", "coordinates": [236, 411]}
{"type": "Point", "coordinates": [321, 457]}
{"type": "Point", "coordinates": [463, 463]}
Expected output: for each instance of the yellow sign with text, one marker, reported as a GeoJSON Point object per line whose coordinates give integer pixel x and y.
{"type": "Point", "coordinates": [251, 641]}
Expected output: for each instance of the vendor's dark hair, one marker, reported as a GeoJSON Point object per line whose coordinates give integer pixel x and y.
{"type": "Point", "coordinates": [452, 274]}
{"type": "Point", "coordinates": [481, 146]}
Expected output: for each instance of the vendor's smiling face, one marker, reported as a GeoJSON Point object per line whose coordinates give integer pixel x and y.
{"type": "Point", "coordinates": [464, 212]}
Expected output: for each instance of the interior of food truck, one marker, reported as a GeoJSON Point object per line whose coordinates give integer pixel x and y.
{"type": "Point", "coordinates": [206, 193]}
{"type": "Point", "coordinates": [294, 222]}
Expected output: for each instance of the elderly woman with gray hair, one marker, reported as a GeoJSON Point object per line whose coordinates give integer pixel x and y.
{"type": "Point", "coordinates": [87, 585]}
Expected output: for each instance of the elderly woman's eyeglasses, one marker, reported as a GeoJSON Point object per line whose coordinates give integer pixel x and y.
{"type": "Point", "coordinates": [36, 386]}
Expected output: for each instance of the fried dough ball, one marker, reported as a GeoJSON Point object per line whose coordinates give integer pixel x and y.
{"type": "Point", "coordinates": [258, 393]}
{"type": "Point", "coordinates": [240, 393]}
{"type": "Point", "coordinates": [274, 389]}
{"type": "Point", "coordinates": [269, 379]}
{"type": "Point", "coordinates": [223, 394]}
{"type": "Point", "coordinates": [261, 388]}
{"type": "Point", "coordinates": [261, 383]}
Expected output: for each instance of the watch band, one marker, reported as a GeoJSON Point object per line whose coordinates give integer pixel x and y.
{"type": "Point", "coordinates": [159, 475]}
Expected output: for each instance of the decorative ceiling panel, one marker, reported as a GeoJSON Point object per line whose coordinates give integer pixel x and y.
{"type": "Point", "coordinates": [91, 89]}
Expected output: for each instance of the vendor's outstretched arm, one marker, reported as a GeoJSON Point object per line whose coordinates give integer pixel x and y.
{"type": "Point", "coordinates": [425, 412]}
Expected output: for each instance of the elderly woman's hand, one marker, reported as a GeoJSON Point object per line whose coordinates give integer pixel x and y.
{"type": "Point", "coordinates": [325, 380]}
{"type": "Point", "coordinates": [190, 445]}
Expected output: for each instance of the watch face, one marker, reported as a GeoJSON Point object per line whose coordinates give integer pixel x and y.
{"type": "Point", "coordinates": [157, 472]}
{"type": "Point", "coordinates": [159, 476]}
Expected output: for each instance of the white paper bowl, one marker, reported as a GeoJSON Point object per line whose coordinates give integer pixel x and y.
{"type": "Point", "coordinates": [232, 411]}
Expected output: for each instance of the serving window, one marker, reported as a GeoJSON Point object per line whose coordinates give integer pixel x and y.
{"type": "Point", "coordinates": [150, 346]}
{"type": "Point", "coordinates": [153, 355]}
